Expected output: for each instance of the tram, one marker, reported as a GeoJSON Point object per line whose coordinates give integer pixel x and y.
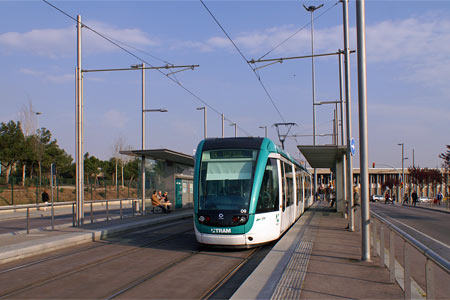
{"type": "Point", "coordinates": [247, 192]}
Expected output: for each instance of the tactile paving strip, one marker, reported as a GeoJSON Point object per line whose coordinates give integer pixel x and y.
{"type": "Point", "coordinates": [289, 286]}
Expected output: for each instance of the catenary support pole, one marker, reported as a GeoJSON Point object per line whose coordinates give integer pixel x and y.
{"type": "Point", "coordinates": [363, 138]}
{"type": "Point", "coordinates": [79, 132]}
{"type": "Point", "coordinates": [143, 141]}
{"type": "Point", "coordinates": [348, 112]}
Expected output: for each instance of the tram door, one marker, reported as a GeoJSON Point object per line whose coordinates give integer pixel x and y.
{"type": "Point", "coordinates": [283, 198]}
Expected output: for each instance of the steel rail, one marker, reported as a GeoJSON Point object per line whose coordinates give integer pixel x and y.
{"type": "Point", "coordinates": [100, 244]}
{"type": "Point", "coordinates": [9, 293]}
{"type": "Point", "coordinates": [426, 251]}
{"type": "Point", "coordinates": [207, 295]}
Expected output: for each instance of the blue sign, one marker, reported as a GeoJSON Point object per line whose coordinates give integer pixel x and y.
{"type": "Point", "coordinates": [352, 146]}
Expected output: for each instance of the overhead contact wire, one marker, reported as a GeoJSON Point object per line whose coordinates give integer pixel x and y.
{"type": "Point", "coordinates": [246, 60]}
{"type": "Point", "coordinates": [295, 33]}
{"type": "Point", "coordinates": [143, 60]}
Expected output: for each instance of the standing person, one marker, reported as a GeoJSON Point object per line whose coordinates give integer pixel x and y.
{"type": "Point", "coordinates": [439, 197]}
{"type": "Point", "coordinates": [414, 197]}
{"type": "Point", "coordinates": [386, 198]}
{"type": "Point", "coordinates": [45, 197]}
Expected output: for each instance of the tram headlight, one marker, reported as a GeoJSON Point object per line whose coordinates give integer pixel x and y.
{"type": "Point", "coordinates": [239, 219]}
{"type": "Point", "coordinates": [204, 219]}
{"type": "Point", "coordinates": [242, 219]}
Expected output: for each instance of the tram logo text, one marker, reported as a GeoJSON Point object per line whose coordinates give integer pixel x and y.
{"type": "Point", "coordinates": [220, 230]}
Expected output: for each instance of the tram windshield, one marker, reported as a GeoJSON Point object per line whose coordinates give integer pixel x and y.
{"type": "Point", "coordinates": [226, 178]}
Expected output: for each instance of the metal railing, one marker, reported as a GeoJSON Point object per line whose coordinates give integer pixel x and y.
{"type": "Point", "coordinates": [410, 247]}
{"type": "Point", "coordinates": [27, 208]}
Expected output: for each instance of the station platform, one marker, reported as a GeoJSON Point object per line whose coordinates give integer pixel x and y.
{"type": "Point", "coordinates": [18, 245]}
{"type": "Point", "coordinates": [319, 259]}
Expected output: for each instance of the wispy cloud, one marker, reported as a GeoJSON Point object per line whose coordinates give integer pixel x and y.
{"type": "Point", "coordinates": [48, 77]}
{"type": "Point", "coordinates": [61, 42]}
{"type": "Point", "coordinates": [114, 119]}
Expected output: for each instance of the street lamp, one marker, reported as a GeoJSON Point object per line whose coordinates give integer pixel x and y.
{"type": "Point", "coordinates": [235, 128]}
{"type": "Point", "coordinates": [204, 119]}
{"type": "Point", "coordinates": [403, 168]}
{"type": "Point", "coordinates": [142, 67]}
{"type": "Point", "coordinates": [311, 9]}
{"type": "Point", "coordinates": [265, 130]}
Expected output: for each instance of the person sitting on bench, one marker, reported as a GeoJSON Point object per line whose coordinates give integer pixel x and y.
{"type": "Point", "coordinates": [157, 203]}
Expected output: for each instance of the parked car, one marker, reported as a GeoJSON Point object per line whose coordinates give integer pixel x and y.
{"type": "Point", "coordinates": [424, 200]}
{"type": "Point", "coordinates": [375, 198]}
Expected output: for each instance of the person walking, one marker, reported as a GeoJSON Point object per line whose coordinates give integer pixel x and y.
{"type": "Point", "coordinates": [414, 197]}
{"type": "Point", "coordinates": [405, 199]}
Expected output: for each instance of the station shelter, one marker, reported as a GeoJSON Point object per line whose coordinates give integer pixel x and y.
{"type": "Point", "coordinates": [329, 157]}
{"type": "Point", "coordinates": [168, 171]}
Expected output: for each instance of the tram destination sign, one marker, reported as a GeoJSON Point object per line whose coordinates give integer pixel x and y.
{"type": "Point", "coordinates": [220, 154]}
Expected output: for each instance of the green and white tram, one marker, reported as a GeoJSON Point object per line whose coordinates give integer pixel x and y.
{"type": "Point", "coordinates": [247, 191]}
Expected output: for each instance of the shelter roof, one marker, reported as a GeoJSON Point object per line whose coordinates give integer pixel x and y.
{"type": "Point", "coordinates": [163, 154]}
{"type": "Point", "coordinates": [322, 156]}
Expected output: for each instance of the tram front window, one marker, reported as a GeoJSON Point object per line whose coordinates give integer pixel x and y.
{"type": "Point", "coordinates": [226, 178]}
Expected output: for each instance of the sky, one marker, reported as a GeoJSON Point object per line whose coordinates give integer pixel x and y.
{"type": "Point", "coordinates": [408, 71]}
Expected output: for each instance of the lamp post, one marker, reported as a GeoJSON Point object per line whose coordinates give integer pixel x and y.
{"type": "Point", "coordinates": [265, 130]}
{"type": "Point", "coordinates": [142, 67]}
{"type": "Point", "coordinates": [204, 120]}
{"type": "Point", "coordinates": [235, 128]}
{"type": "Point", "coordinates": [403, 168]}
{"type": "Point", "coordinates": [37, 113]}
{"type": "Point", "coordinates": [311, 9]}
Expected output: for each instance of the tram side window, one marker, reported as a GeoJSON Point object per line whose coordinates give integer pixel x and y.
{"type": "Point", "coordinates": [289, 184]}
{"type": "Point", "coordinates": [283, 186]}
{"type": "Point", "coordinates": [268, 199]}
{"type": "Point", "coordinates": [299, 187]}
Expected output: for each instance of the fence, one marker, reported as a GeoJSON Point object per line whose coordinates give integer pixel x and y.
{"type": "Point", "coordinates": [123, 207]}
{"type": "Point", "coordinates": [420, 271]}
{"type": "Point", "coordinates": [16, 192]}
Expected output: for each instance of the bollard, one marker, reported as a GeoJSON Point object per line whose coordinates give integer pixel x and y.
{"type": "Point", "coordinates": [53, 217]}
{"type": "Point", "coordinates": [406, 272]}
{"type": "Point", "coordinates": [381, 245]}
{"type": "Point", "coordinates": [12, 190]}
{"type": "Point", "coordinates": [391, 256]}
{"type": "Point", "coordinates": [132, 207]}
{"type": "Point", "coordinates": [92, 214]}
{"type": "Point", "coordinates": [107, 211]}
{"type": "Point", "coordinates": [429, 276]}
{"type": "Point", "coordinates": [73, 214]}
{"type": "Point", "coordinates": [28, 220]}
{"type": "Point", "coordinates": [121, 209]}
{"type": "Point", "coordinates": [374, 236]}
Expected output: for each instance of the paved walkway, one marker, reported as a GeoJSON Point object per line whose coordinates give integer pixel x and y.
{"type": "Point", "coordinates": [319, 259]}
{"type": "Point", "coordinates": [335, 270]}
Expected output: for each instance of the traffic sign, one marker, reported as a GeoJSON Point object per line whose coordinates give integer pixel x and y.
{"type": "Point", "coordinates": [352, 146]}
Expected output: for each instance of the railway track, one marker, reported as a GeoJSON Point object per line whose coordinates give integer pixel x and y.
{"type": "Point", "coordinates": [169, 265]}
{"type": "Point", "coordinates": [39, 282]}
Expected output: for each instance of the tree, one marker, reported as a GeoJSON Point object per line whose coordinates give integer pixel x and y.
{"type": "Point", "coordinates": [425, 176]}
{"type": "Point", "coordinates": [11, 145]}
{"type": "Point", "coordinates": [446, 158]}
{"type": "Point", "coordinates": [446, 165]}
{"type": "Point", "coordinates": [92, 167]}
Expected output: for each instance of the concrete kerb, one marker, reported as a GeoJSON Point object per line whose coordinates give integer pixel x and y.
{"type": "Point", "coordinates": [428, 208]}
{"type": "Point", "coordinates": [257, 283]}
{"type": "Point", "coordinates": [26, 249]}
